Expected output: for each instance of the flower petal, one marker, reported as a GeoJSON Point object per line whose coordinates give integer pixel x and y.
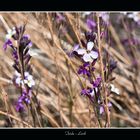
{"type": "Point", "coordinates": [101, 110]}
{"type": "Point", "coordinates": [32, 82]}
{"type": "Point", "coordinates": [26, 74]}
{"type": "Point", "coordinates": [83, 92]}
{"type": "Point", "coordinates": [90, 45]}
{"type": "Point", "coordinates": [18, 80]}
{"type": "Point", "coordinates": [87, 58]}
{"type": "Point", "coordinates": [17, 74]}
{"type": "Point", "coordinates": [30, 77]}
{"type": "Point", "coordinates": [76, 47]}
{"type": "Point", "coordinates": [90, 23]}
{"type": "Point", "coordinates": [92, 93]}
{"type": "Point", "coordinates": [30, 44]}
{"type": "Point", "coordinates": [81, 51]}
{"type": "Point", "coordinates": [94, 54]}
{"type": "Point", "coordinates": [7, 42]}
{"type": "Point", "coordinates": [109, 104]}
{"type": "Point", "coordinates": [25, 81]}
{"type": "Point", "coordinates": [10, 33]}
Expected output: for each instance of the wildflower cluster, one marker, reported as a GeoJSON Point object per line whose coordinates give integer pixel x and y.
{"type": "Point", "coordinates": [23, 79]}
{"type": "Point", "coordinates": [88, 54]}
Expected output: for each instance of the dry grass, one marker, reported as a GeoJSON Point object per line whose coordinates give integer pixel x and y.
{"type": "Point", "coordinates": [57, 83]}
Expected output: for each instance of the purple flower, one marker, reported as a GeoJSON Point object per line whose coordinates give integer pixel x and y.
{"type": "Point", "coordinates": [25, 82]}
{"type": "Point", "coordinates": [86, 64]}
{"type": "Point", "coordinates": [24, 98]}
{"type": "Point", "coordinates": [24, 41]}
{"type": "Point", "coordinates": [27, 100]}
{"type": "Point", "coordinates": [90, 36]}
{"type": "Point", "coordinates": [105, 17]}
{"type": "Point", "coordinates": [113, 65]}
{"type": "Point", "coordinates": [91, 24]}
{"type": "Point", "coordinates": [15, 55]}
{"type": "Point", "coordinates": [83, 70]}
{"type": "Point", "coordinates": [73, 52]}
{"type": "Point", "coordinates": [101, 108]}
{"type": "Point", "coordinates": [97, 82]}
{"type": "Point", "coordinates": [59, 18]}
{"type": "Point", "coordinates": [7, 42]}
{"type": "Point", "coordinates": [19, 107]}
{"type": "Point", "coordinates": [84, 92]}
{"type": "Point", "coordinates": [89, 92]}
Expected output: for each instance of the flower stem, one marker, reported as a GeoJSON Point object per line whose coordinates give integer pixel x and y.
{"type": "Point", "coordinates": [102, 70]}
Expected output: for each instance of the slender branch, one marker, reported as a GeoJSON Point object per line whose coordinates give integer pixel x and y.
{"type": "Point", "coordinates": [102, 70]}
{"type": "Point", "coordinates": [15, 118]}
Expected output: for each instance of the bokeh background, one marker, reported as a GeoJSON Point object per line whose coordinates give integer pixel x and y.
{"type": "Point", "coordinates": [57, 84]}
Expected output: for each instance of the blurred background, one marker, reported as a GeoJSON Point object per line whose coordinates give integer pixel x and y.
{"type": "Point", "coordinates": [57, 83]}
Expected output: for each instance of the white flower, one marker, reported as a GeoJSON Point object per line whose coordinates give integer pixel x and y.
{"type": "Point", "coordinates": [93, 93]}
{"type": "Point", "coordinates": [18, 78]}
{"type": "Point", "coordinates": [26, 74]}
{"type": "Point", "coordinates": [10, 33]}
{"type": "Point", "coordinates": [135, 16]}
{"type": "Point", "coordinates": [28, 79]}
{"type": "Point", "coordinates": [115, 90]}
{"type": "Point", "coordinates": [17, 74]}
{"type": "Point", "coordinates": [88, 54]}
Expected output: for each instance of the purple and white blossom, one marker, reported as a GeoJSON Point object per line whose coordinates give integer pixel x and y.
{"type": "Point", "coordinates": [7, 43]}
{"type": "Point", "coordinates": [101, 108]}
{"type": "Point", "coordinates": [88, 54]}
{"type": "Point", "coordinates": [28, 79]}
{"type": "Point", "coordinates": [10, 33]}
{"type": "Point", "coordinates": [23, 78]}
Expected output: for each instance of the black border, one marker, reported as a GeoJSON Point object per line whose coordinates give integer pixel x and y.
{"type": "Point", "coordinates": [106, 133]}
{"type": "Point", "coordinates": [69, 5]}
